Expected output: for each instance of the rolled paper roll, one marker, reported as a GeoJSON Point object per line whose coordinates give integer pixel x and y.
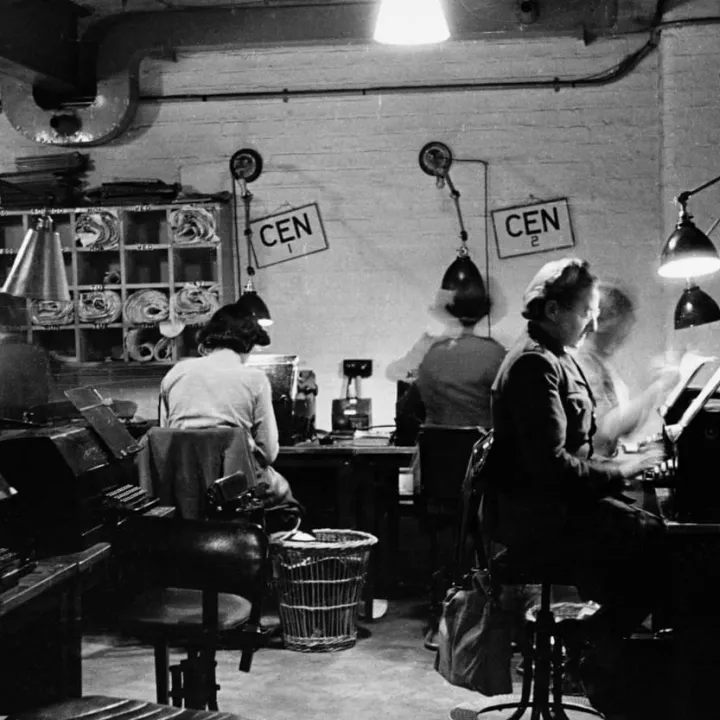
{"type": "Point", "coordinates": [51, 312]}
{"type": "Point", "coordinates": [99, 306]}
{"type": "Point", "coordinates": [146, 306]}
{"type": "Point", "coordinates": [192, 225]}
{"type": "Point", "coordinates": [99, 229]}
{"type": "Point", "coordinates": [163, 349]}
{"type": "Point", "coordinates": [139, 350]}
{"type": "Point", "coordinates": [194, 304]}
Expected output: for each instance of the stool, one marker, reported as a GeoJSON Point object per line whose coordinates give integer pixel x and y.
{"type": "Point", "coordinates": [99, 707]}
{"type": "Point", "coordinates": [542, 665]}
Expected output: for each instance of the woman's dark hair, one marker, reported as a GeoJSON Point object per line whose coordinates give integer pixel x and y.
{"type": "Point", "coordinates": [562, 281]}
{"type": "Point", "coordinates": [229, 328]}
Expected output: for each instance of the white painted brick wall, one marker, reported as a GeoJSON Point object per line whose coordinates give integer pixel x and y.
{"type": "Point", "coordinates": [391, 232]}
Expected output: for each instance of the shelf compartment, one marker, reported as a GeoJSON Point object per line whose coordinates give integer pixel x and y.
{"type": "Point", "coordinates": [149, 227]}
{"type": "Point", "coordinates": [98, 344]}
{"type": "Point", "coordinates": [195, 264]}
{"type": "Point", "coordinates": [147, 344]}
{"type": "Point", "coordinates": [146, 268]}
{"type": "Point", "coordinates": [97, 267]}
{"type": "Point", "coordinates": [59, 339]}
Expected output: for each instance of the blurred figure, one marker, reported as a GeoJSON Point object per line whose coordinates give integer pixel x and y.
{"type": "Point", "coordinates": [25, 374]}
{"type": "Point", "coordinates": [450, 374]}
{"type": "Point", "coordinates": [618, 415]}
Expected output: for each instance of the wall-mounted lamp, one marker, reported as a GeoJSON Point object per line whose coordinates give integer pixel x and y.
{"type": "Point", "coordinates": [688, 252]}
{"type": "Point", "coordinates": [245, 167]}
{"type": "Point", "coordinates": [470, 299]}
{"type": "Point", "coordinates": [411, 22]}
{"type": "Point", "coordinates": [39, 271]}
{"type": "Point", "coordinates": [695, 307]}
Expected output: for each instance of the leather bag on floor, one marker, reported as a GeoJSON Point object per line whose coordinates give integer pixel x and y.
{"type": "Point", "coordinates": [474, 638]}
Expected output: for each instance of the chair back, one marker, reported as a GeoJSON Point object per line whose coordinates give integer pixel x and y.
{"type": "Point", "coordinates": [177, 466]}
{"type": "Point", "coordinates": [474, 485]}
{"type": "Point", "coordinates": [444, 452]}
{"type": "Point", "coordinates": [216, 556]}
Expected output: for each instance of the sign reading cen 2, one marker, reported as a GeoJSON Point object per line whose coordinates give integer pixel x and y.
{"type": "Point", "coordinates": [533, 228]}
{"type": "Point", "coordinates": [288, 235]}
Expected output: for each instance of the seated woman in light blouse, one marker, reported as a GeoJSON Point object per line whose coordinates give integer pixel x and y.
{"type": "Point", "coordinates": [218, 389]}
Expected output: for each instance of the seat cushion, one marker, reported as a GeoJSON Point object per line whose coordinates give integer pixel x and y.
{"type": "Point", "coordinates": [99, 707]}
{"type": "Point", "coordinates": [177, 613]}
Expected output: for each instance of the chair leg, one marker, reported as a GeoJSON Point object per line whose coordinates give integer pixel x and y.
{"type": "Point", "coordinates": [162, 660]}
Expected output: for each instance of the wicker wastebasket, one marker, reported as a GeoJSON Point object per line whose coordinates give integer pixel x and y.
{"type": "Point", "coordinates": [319, 586]}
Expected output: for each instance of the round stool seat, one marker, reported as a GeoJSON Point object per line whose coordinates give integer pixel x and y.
{"type": "Point", "coordinates": [565, 611]}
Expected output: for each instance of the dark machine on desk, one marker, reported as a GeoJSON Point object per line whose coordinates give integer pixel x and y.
{"type": "Point", "coordinates": [353, 412]}
{"type": "Point", "coordinates": [72, 478]}
{"type": "Point", "coordinates": [690, 475]}
{"type": "Point", "coordinates": [293, 395]}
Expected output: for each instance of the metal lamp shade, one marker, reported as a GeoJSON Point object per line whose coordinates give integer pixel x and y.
{"type": "Point", "coordinates": [252, 305]}
{"type": "Point", "coordinates": [688, 252]}
{"type": "Point", "coordinates": [39, 271]}
{"type": "Point", "coordinates": [695, 307]}
{"type": "Point", "coordinates": [470, 299]}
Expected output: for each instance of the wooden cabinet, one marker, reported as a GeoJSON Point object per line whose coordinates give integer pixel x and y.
{"type": "Point", "coordinates": [136, 274]}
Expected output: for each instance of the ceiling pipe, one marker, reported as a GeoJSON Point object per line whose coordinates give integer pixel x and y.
{"type": "Point", "coordinates": [113, 49]}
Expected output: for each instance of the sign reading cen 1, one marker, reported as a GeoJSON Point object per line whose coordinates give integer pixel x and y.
{"type": "Point", "coordinates": [533, 228]}
{"type": "Point", "coordinates": [288, 235]}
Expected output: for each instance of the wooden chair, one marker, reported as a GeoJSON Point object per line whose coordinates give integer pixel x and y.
{"type": "Point", "coordinates": [200, 582]}
{"type": "Point", "coordinates": [444, 452]}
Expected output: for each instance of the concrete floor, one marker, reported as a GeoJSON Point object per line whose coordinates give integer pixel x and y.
{"type": "Point", "coordinates": [386, 675]}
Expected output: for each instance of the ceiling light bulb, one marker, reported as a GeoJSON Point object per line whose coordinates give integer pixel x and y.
{"type": "Point", "coordinates": [411, 22]}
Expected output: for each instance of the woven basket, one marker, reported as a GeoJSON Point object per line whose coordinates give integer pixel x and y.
{"type": "Point", "coordinates": [319, 587]}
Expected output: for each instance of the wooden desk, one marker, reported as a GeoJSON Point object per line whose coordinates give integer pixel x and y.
{"type": "Point", "coordinates": [41, 633]}
{"type": "Point", "coordinates": [366, 490]}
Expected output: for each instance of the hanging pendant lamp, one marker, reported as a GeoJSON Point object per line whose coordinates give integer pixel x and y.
{"type": "Point", "coordinates": [39, 270]}
{"type": "Point", "coordinates": [695, 307]}
{"type": "Point", "coordinates": [411, 22]}
{"type": "Point", "coordinates": [250, 304]}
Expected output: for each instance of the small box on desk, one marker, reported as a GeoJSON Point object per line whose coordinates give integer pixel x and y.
{"type": "Point", "coordinates": [350, 414]}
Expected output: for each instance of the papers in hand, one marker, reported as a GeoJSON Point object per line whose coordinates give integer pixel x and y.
{"type": "Point", "coordinates": [674, 431]}
{"type": "Point", "coordinates": [690, 365]}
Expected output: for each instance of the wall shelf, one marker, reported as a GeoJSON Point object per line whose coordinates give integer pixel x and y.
{"type": "Point", "coordinates": [170, 261]}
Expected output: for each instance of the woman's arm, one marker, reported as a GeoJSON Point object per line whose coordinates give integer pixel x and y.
{"type": "Point", "coordinates": [265, 430]}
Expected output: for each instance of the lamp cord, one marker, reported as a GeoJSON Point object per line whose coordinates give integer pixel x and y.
{"type": "Point", "coordinates": [247, 199]}
{"type": "Point", "coordinates": [455, 195]}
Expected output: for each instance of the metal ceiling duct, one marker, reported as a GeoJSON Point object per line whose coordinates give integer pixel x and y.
{"type": "Point", "coordinates": [115, 47]}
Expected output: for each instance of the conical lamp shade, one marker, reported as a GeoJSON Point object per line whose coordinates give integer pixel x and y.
{"type": "Point", "coordinates": [411, 22]}
{"type": "Point", "coordinates": [39, 271]}
{"type": "Point", "coordinates": [252, 305]}
{"type": "Point", "coordinates": [688, 252]}
{"type": "Point", "coordinates": [470, 299]}
{"type": "Point", "coordinates": [695, 307]}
